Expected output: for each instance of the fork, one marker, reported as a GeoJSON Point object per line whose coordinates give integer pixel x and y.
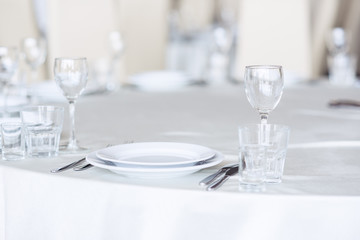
{"type": "Point", "coordinates": [83, 167]}
{"type": "Point", "coordinates": [68, 166]}
{"type": "Point", "coordinates": [72, 165]}
{"type": "Point", "coordinates": [209, 179]}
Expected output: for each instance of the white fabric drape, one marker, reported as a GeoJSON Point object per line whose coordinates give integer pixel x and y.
{"type": "Point", "coordinates": [318, 199]}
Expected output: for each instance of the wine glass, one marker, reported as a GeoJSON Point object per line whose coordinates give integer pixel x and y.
{"type": "Point", "coordinates": [71, 76]}
{"type": "Point", "coordinates": [338, 41]}
{"type": "Point", "coordinates": [34, 51]}
{"type": "Point", "coordinates": [8, 66]}
{"type": "Point", "coordinates": [263, 87]}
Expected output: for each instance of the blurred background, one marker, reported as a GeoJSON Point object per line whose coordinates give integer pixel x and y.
{"type": "Point", "coordinates": [208, 40]}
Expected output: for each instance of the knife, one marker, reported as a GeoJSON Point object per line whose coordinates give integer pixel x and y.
{"type": "Point", "coordinates": [83, 167]}
{"type": "Point", "coordinates": [230, 172]}
{"type": "Point", "coordinates": [344, 103]}
{"type": "Point", "coordinates": [213, 176]}
{"type": "Point", "coordinates": [68, 166]}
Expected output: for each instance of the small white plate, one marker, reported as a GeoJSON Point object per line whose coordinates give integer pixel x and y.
{"type": "Point", "coordinates": [156, 153]}
{"type": "Point", "coordinates": [154, 172]}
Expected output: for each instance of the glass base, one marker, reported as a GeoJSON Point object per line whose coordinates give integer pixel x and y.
{"type": "Point", "coordinates": [44, 154]}
{"type": "Point", "coordinates": [248, 187]}
{"type": "Point", "coordinates": [13, 156]}
{"type": "Point", "coordinates": [273, 180]}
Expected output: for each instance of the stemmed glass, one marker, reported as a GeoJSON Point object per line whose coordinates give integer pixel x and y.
{"type": "Point", "coordinates": [71, 76]}
{"type": "Point", "coordinates": [264, 86]}
{"type": "Point", "coordinates": [34, 51]}
{"type": "Point", "coordinates": [8, 66]}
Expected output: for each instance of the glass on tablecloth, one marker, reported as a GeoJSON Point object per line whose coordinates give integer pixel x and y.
{"type": "Point", "coordinates": [12, 141]}
{"type": "Point", "coordinates": [43, 126]}
{"type": "Point", "coordinates": [262, 153]}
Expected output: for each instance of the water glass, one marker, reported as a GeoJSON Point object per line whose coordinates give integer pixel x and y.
{"type": "Point", "coordinates": [252, 167]}
{"type": "Point", "coordinates": [43, 126]}
{"type": "Point", "coordinates": [12, 141]}
{"type": "Point", "coordinates": [263, 147]}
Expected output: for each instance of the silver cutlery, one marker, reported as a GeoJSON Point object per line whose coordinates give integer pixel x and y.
{"type": "Point", "coordinates": [83, 167]}
{"type": "Point", "coordinates": [75, 165]}
{"type": "Point", "coordinates": [212, 177]}
{"type": "Point", "coordinates": [344, 103]}
{"type": "Point", "coordinates": [87, 165]}
{"type": "Point", "coordinates": [68, 166]}
{"type": "Point", "coordinates": [230, 172]}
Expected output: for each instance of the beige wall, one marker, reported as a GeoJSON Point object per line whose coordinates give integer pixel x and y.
{"type": "Point", "coordinates": [276, 33]}
{"type": "Point", "coordinates": [83, 29]}
{"type": "Point", "coordinates": [16, 21]}
{"type": "Point", "coordinates": [287, 32]}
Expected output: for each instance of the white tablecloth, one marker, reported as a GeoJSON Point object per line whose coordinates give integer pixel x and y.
{"type": "Point", "coordinates": [318, 199]}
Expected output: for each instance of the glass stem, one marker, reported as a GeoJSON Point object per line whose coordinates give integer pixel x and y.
{"type": "Point", "coordinates": [264, 118]}
{"type": "Point", "coordinates": [34, 75]}
{"type": "Point", "coordinates": [72, 139]}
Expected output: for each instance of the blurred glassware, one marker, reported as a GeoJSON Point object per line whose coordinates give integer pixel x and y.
{"type": "Point", "coordinates": [202, 37]}
{"type": "Point", "coordinates": [189, 43]}
{"type": "Point", "coordinates": [116, 43]}
{"type": "Point", "coordinates": [117, 49]}
{"type": "Point", "coordinates": [341, 63]}
{"type": "Point", "coordinates": [71, 76]}
{"type": "Point", "coordinates": [34, 51]}
{"type": "Point", "coordinates": [223, 38]}
{"type": "Point", "coordinates": [101, 75]}
{"type": "Point", "coordinates": [342, 69]}
{"type": "Point", "coordinates": [338, 41]}
{"type": "Point", "coordinates": [224, 34]}
{"type": "Point", "coordinates": [8, 67]}
{"type": "Point", "coordinates": [105, 72]}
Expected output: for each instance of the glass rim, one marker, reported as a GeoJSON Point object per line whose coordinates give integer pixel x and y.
{"type": "Point", "coordinates": [263, 67]}
{"type": "Point", "coordinates": [12, 123]}
{"type": "Point", "coordinates": [48, 107]}
{"type": "Point", "coordinates": [70, 58]}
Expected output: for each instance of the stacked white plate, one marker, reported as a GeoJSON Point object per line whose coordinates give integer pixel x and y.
{"type": "Point", "coordinates": [155, 159]}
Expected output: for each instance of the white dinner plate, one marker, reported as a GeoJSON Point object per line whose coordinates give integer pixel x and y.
{"type": "Point", "coordinates": [138, 171]}
{"type": "Point", "coordinates": [156, 153]}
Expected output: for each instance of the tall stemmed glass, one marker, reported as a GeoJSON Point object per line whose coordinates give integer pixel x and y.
{"type": "Point", "coordinates": [264, 86]}
{"type": "Point", "coordinates": [34, 51]}
{"type": "Point", "coordinates": [8, 66]}
{"type": "Point", "coordinates": [71, 76]}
